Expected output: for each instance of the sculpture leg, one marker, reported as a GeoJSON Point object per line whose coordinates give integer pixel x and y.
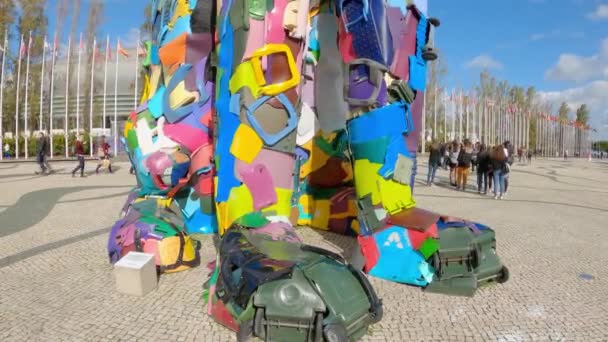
{"type": "Point", "coordinates": [262, 281]}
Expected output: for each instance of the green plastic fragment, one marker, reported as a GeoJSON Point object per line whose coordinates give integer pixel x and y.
{"type": "Point", "coordinates": [253, 220]}
{"type": "Point", "coordinates": [429, 247]}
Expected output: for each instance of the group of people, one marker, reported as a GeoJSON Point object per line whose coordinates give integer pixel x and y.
{"type": "Point", "coordinates": [43, 148]}
{"type": "Point", "coordinates": [492, 164]}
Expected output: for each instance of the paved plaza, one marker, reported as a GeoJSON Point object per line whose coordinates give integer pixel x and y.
{"type": "Point", "coordinates": [56, 283]}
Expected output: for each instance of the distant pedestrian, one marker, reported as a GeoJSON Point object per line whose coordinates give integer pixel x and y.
{"type": "Point", "coordinates": [434, 162]}
{"type": "Point", "coordinates": [7, 151]}
{"type": "Point", "coordinates": [79, 152]}
{"type": "Point", "coordinates": [508, 149]}
{"type": "Point", "coordinates": [464, 165]}
{"type": "Point", "coordinates": [483, 166]}
{"type": "Point", "coordinates": [529, 157]}
{"type": "Point", "coordinates": [498, 160]}
{"type": "Point", "coordinates": [566, 155]}
{"type": "Point", "coordinates": [453, 161]}
{"type": "Point", "coordinates": [40, 153]}
{"type": "Point", "coordinates": [103, 153]}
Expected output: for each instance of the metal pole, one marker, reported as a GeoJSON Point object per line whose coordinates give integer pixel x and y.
{"type": "Point", "coordinates": [136, 72]}
{"type": "Point", "coordinates": [78, 87]}
{"type": "Point", "coordinates": [27, 91]}
{"type": "Point", "coordinates": [2, 92]}
{"type": "Point", "coordinates": [105, 83]}
{"type": "Point", "coordinates": [42, 82]}
{"type": "Point", "coordinates": [52, 92]}
{"type": "Point", "coordinates": [67, 98]}
{"type": "Point", "coordinates": [435, 114]}
{"type": "Point", "coordinates": [116, 100]}
{"type": "Point", "coordinates": [17, 100]}
{"type": "Point", "coordinates": [92, 95]}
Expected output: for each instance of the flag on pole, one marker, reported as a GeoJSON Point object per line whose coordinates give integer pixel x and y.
{"type": "Point", "coordinates": [140, 51]}
{"type": "Point", "coordinates": [22, 48]}
{"type": "Point", "coordinates": [121, 50]}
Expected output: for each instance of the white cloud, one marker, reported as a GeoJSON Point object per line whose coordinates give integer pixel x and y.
{"type": "Point", "coordinates": [600, 13]}
{"type": "Point", "coordinates": [571, 67]}
{"type": "Point", "coordinates": [538, 36]}
{"type": "Point", "coordinates": [484, 62]}
{"type": "Point", "coordinates": [592, 94]}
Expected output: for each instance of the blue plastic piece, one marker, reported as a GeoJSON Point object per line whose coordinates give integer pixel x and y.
{"type": "Point", "coordinates": [228, 121]}
{"type": "Point", "coordinates": [179, 171]}
{"type": "Point", "coordinates": [384, 121]}
{"type": "Point", "coordinates": [292, 119]}
{"type": "Point", "coordinates": [155, 105]}
{"type": "Point", "coordinates": [182, 25]}
{"type": "Point", "coordinates": [201, 223]}
{"type": "Point", "coordinates": [192, 205]}
{"type": "Point", "coordinates": [154, 57]}
{"type": "Point", "coordinates": [174, 115]}
{"type": "Point", "coordinates": [395, 148]}
{"type": "Point", "coordinates": [417, 73]}
{"type": "Point", "coordinates": [398, 261]}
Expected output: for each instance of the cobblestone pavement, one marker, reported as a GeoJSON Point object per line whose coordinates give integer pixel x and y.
{"type": "Point", "coordinates": [56, 283]}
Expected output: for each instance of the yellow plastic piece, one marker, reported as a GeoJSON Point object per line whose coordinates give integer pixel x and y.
{"type": "Point", "coordinates": [395, 196]}
{"type": "Point", "coordinates": [182, 9]}
{"type": "Point", "coordinates": [354, 225]}
{"type": "Point", "coordinates": [246, 144]}
{"type": "Point", "coordinates": [128, 127]}
{"type": "Point", "coordinates": [169, 249]}
{"type": "Point", "coordinates": [244, 76]}
{"type": "Point", "coordinates": [317, 159]}
{"type": "Point", "coordinates": [145, 92]}
{"type": "Point", "coordinates": [283, 205]}
{"type": "Point", "coordinates": [155, 71]}
{"type": "Point", "coordinates": [320, 217]}
{"type": "Point", "coordinates": [277, 88]}
{"type": "Point", "coordinates": [366, 180]}
{"type": "Point", "coordinates": [164, 203]}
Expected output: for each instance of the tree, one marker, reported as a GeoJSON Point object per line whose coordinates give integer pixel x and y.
{"type": "Point", "coordinates": [34, 21]}
{"type": "Point", "coordinates": [563, 112]}
{"type": "Point", "coordinates": [7, 20]}
{"type": "Point", "coordinates": [582, 114]}
{"type": "Point", "coordinates": [436, 74]}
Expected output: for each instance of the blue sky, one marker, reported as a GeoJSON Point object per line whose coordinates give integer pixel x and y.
{"type": "Point", "coordinates": [558, 46]}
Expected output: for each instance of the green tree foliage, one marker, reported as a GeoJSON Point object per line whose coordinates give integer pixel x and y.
{"type": "Point", "coordinates": [563, 112]}
{"type": "Point", "coordinates": [582, 114]}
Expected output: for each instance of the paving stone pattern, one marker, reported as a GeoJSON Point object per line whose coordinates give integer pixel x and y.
{"type": "Point", "coordinates": [57, 285]}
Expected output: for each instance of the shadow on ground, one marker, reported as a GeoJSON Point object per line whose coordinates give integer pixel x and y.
{"type": "Point", "coordinates": [34, 206]}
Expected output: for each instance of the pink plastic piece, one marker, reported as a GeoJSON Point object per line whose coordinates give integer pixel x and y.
{"type": "Point", "coordinates": [259, 181]}
{"type": "Point", "coordinates": [275, 33]}
{"type": "Point", "coordinates": [187, 136]}
{"type": "Point", "coordinates": [158, 162]}
{"type": "Point", "coordinates": [255, 38]}
{"type": "Point", "coordinates": [280, 165]}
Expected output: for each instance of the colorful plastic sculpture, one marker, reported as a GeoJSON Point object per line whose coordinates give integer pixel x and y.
{"type": "Point", "coordinates": [261, 115]}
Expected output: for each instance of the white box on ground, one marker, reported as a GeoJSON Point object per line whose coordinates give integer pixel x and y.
{"type": "Point", "coordinates": [135, 274]}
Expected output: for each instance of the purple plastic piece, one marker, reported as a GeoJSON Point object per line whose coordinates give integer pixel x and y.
{"type": "Point", "coordinates": [113, 248]}
{"type": "Point", "coordinates": [259, 181]}
{"type": "Point", "coordinates": [360, 86]}
{"type": "Point", "coordinates": [198, 46]}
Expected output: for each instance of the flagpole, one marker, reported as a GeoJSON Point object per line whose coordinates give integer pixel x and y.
{"type": "Point", "coordinates": [52, 92]}
{"type": "Point", "coordinates": [78, 86]}
{"type": "Point", "coordinates": [27, 86]}
{"type": "Point", "coordinates": [42, 83]}
{"type": "Point", "coordinates": [92, 95]}
{"type": "Point", "coordinates": [435, 114]}
{"type": "Point", "coordinates": [67, 98]}
{"type": "Point", "coordinates": [17, 100]}
{"type": "Point", "coordinates": [2, 92]}
{"type": "Point", "coordinates": [116, 99]}
{"type": "Point", "coordinates": [136, 71]}
{"type": "Point", "coordinates": [105, 83]}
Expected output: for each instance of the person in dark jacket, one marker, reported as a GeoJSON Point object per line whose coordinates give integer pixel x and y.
{"type": "Point", "coordinates": [41, 152]}
{"type": "Point", "coordinates": [483, 167]}
{"type": "Point", "coordinates": [464, 165]}
{"type": "Point", "coordinates": [434, 162]}
{"type": "Point", "coordinates": [498, 161]}
{"type": "Point", "coordinates": [79, 152]}
{"type": "Point", "coordinates": [103, 153]}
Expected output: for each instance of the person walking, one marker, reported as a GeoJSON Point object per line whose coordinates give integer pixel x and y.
{"type": "Point", "coordinates": [103, 153]}
{"type": "Point", "coordinates": [79, 152]}
{"type": "Point", "coordinates": [453, 161]}
{"type": "Point", "coordinates": [434, 162]}
{"type": "Point", "coordinates": [498, 161]}
{"type": "Point", "coordinates": [464, 165]}
{"type": "Point", "coordinates": [508, 149]}
{"type": "Point", "coordinates": [40, 153]}
{"type": "Point", "coordinates": [483, 165]}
